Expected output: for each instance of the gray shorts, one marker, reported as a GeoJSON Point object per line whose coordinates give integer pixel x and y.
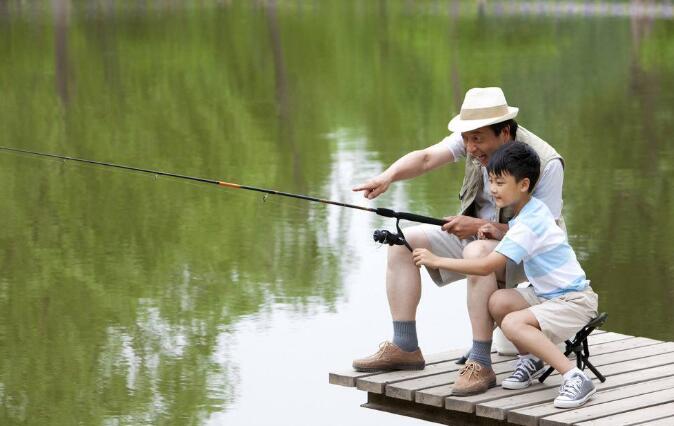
{"type": "Point", "coordinates": [449, 245]}
{"type": "Point", "coordinates": [444, 244]}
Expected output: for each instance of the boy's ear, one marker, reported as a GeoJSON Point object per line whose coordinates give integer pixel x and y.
{"type": "Point", "coordinates": [524, 184]}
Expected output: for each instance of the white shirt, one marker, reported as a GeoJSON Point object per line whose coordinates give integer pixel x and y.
{"type": "Point", "coordinates": [548, 189]}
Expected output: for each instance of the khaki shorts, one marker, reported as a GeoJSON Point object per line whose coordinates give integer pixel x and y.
{"type": "Point", "coordinates": [444, 244]}
{"type": "Point", "coordinates": [562, 317]}
{"type": "Point", "coordinates": [449, 245]}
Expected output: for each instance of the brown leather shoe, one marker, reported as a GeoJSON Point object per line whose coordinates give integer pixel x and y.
{"type": "Point", "coordinates": [391, 357]}
{"type": "Point", "coordinates": [473, 378]}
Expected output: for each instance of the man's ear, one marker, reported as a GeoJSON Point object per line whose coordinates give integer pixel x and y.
{"type": "Point", "coordinates": [506, 133]}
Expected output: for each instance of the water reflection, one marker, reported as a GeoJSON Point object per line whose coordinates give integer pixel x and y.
{"type": "Point", "coordinates": [150, 295]}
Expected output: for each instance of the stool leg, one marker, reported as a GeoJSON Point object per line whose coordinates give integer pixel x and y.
{"type": "Point", "coordinates": [580, 360]}
{"type": "Point", "coordinates": [546, 374]}
{"type": "Point", "coordinates": [463, 359]}
{"type": "Point", "coordinates": [595, 371]}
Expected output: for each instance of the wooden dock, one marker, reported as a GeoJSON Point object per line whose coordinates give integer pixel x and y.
{"type": "Point", "coordinates": [639, 389]}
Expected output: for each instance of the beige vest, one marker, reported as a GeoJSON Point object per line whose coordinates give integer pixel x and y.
{"type": "Point", "coordinates": [473, 184]}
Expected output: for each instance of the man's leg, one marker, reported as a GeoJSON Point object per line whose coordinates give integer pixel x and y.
{"type": "Point", "coordinates": [403, 277]}
{"type": "Point", "coordinates": [403, 290]}
{"type": "Point", "coordinates": [480, 288]}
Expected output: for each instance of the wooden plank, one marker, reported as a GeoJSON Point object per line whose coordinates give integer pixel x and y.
{"type": "Point", "coordinates": [623, 350]}
{"type": "Point", "coordinates": [432, 414]}
{"type": "Point", "coordinates": [603, 353]}
{"type": "Point", "coordinates": [531, 415]}
{"type": "Point", "coordinates": [595, 338]}
{"type": "Point", "coordinates": [667, 421]}
{"type": "Point", "coordinates": [377, 383]}
{"type": "Point", "coordinates": [436, 396]}
{"type": "Point", "coordinates": [405, 389]}
{"type": "Point", "coordinates": [613, 407]}
{"type": "Point", "coordinates": [619, 386]}
{"type": "Point", "coordinates": [620, 345]}
{"type": "Point", "coordinates": [498, 408]}
{"type": "Point", "coordinates": [467, 404]}
{"type": "Point", "coordinates": [661, 412]}
{"type": "Point", "coordinates": [348, 377]}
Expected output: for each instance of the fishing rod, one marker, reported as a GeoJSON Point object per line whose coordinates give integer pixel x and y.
{"type": "Point", "coordinates": [381, 236]}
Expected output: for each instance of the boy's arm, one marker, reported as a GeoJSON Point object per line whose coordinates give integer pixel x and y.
{"type": "Point", "coordinates": [482, 266]}
{"type": "Point", "coordinates": [468, 226]}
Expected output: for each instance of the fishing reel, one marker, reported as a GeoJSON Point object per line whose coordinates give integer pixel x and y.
{"type": "Point", "coordinates": [387, 237]}
{"type": "Point", "coordinates": [383, 236]}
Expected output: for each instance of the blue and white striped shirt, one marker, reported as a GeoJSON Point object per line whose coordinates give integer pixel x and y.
{"type": "Point", "coordinates": [550, 263]}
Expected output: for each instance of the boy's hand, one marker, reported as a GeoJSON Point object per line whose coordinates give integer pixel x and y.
{"type": "Point", "coordinates": [489, 231]}
{"type": "Point", "coordinates": [374, 187]}
{"type": "Point", "coordinates": [423, 257]}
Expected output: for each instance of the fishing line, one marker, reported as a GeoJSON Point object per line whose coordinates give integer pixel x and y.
{"type": "Point", "coordinates": [379, 236]}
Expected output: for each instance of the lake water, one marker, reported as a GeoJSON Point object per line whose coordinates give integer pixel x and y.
{"type": "Point", "coordinates": [131, 299]}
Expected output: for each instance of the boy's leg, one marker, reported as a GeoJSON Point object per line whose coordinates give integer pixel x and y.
{"type": "Point", "coordinates": [522, 328]}
{"type": "Point", "coordinates": [528, 367]}
{"type": "Point", "coordinates": [505, 301]}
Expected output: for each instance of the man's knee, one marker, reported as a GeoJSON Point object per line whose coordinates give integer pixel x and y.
{"type": "Point", "coordinates": [511, 324]}
{"type": "Point", "coordinates": [478, 248]}
{"type": "Point", "coordinates": [498, 305]}
{"type": "Point", "coordinates": [416, 238]}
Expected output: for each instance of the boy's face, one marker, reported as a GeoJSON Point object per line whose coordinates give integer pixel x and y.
{"type": "Point", "coordinates": [507, 191]}
{"type": "Point", "coordinates": [482, 143]}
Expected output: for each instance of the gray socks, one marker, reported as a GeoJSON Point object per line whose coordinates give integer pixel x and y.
{"type": "Point", "coordinates": [405, 335]}
{"type": "Point", "coordinates": [481, 352]}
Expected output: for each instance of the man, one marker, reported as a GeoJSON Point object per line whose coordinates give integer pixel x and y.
{"type": "Point", "coordinates": [485, 123]}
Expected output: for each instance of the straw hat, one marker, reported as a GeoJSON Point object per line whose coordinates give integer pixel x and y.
{"type": "Point", "coordinates": [481, 107]}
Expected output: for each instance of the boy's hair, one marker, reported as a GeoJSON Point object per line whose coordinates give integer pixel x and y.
{"type": "Point", "coordinates": [518, 160]}
{"type": "Point", "coordinates": [511, 124]}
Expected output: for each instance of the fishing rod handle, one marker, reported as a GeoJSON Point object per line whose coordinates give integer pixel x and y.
{"type": "Point", "coordinates": [410, 216]}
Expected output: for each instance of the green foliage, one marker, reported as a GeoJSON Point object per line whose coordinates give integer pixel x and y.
{"type": "Point", "coordinates": [118, 290]}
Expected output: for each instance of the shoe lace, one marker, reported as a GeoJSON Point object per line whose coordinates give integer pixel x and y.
{"type": "Point", "coordinates": [472, 369]}
{"type": "Point", "coordinates": [525, 366]}
{"type": "Point", "coordinates": [382, 349]}
{"type": "Point", "coordinates": [570, 388]}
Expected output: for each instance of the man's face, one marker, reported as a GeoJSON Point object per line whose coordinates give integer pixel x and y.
{"type": "Point", "coordinates": [481, 143]}
{"type": "Point", "coordinates": [506, 191]}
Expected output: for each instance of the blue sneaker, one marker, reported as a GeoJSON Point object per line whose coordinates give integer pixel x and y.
{"type": "Point", "coordinates": [575, 391]}
{"type": "Point", "coordinates": [525, 372]}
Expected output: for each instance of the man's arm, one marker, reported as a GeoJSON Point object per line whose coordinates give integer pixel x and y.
{"type": "Point", "coordinates": [467, 226]}
{"type": "Point", "coordinates": [408, 166]}
{"type": "Point", "coordinates": [481, 266]}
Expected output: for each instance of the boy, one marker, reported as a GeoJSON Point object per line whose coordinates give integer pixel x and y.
{"type": "Point", "coordinates": [559, 300]}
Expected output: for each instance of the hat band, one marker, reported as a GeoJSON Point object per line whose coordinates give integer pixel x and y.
{"type": "Point", "coordinates": [483, 113]}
